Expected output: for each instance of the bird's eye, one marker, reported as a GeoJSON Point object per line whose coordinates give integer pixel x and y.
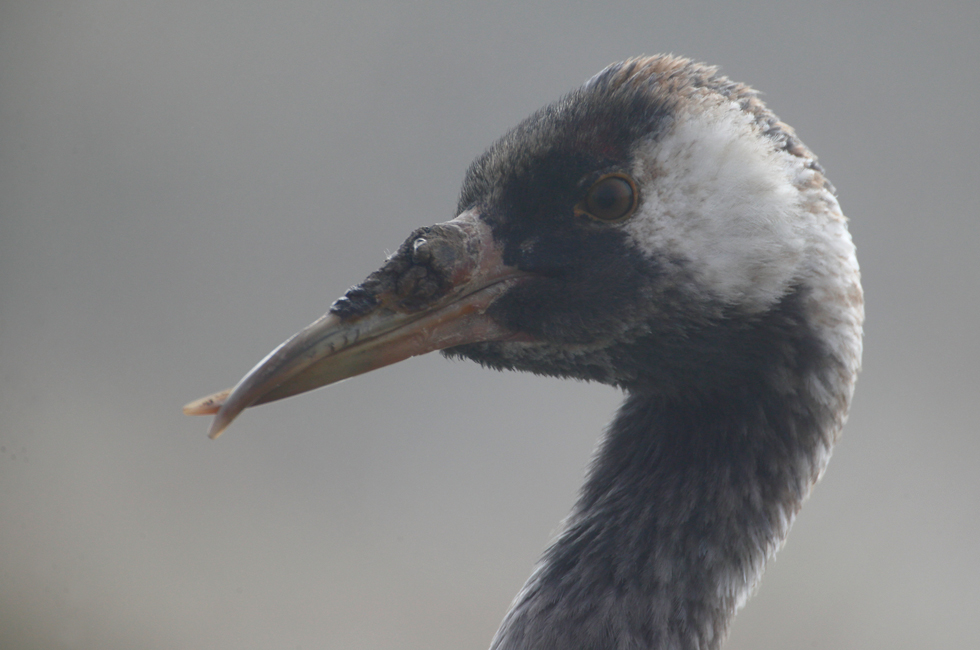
{"type": "Point", "coordinates": [611, 198]}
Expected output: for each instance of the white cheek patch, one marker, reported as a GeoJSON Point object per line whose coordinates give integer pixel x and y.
{"type": "Point", "coordinates": [719, 196]}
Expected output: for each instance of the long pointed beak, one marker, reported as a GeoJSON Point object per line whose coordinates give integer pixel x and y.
{"type": "Point", "coordinates": [431, 295]}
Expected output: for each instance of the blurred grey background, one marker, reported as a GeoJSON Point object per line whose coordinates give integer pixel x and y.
{"type": "Point", "coordinates": [185, 184]}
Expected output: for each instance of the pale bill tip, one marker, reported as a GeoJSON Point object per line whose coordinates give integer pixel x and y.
{"type": "Point", "coordinates": [211, 405]}
{"type": "Point", "coordinates": [207, 405]}
{"type": "Point", "coordinates": [217, 429]}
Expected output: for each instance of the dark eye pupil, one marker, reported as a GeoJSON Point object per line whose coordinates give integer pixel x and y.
{"type": "Point", "coordinates": [610, 198]}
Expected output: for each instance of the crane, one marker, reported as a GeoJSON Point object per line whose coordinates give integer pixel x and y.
{"type": "Point", "coordinates": [660, 230]}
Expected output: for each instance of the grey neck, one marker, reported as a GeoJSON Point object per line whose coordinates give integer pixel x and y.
{"type": "Point", "coordinates": [682, 507]}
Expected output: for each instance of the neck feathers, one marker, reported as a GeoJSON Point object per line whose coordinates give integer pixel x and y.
{"type": "Point", "coordinates": [686, 500]}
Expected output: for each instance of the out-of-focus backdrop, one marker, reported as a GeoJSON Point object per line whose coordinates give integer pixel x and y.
{"type": "Point", "coordinates": [183, 184]}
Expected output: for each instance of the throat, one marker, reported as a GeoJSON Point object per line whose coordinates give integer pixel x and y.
{"type": "Point", "coordinates": [683, 505]}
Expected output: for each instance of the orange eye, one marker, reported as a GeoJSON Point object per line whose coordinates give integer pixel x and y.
{"type": "Point", "coordinates": [611, 198]}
